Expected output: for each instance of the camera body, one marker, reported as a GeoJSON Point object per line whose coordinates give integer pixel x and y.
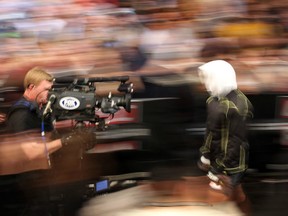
{"type": "Point", "coordinates": [76, 98]}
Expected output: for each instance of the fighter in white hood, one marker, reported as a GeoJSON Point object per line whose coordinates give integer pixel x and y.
{"type": "Point", "coordinates": [219, 77]}
{"type": "Point", "coordinates": [224, 154]}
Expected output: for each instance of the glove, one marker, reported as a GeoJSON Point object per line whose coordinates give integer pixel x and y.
{"type": "Point", "coordinates": [204, 164]}
{"type": "Point", "coordinates": [68, 163]}
{"type": "Point", "coordinates": [80, 137]}
{"type": "Point", "coordinates": [221, 183]}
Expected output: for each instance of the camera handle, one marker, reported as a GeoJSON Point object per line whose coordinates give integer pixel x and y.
{"type": "Point", "coordinates": [100, 124]}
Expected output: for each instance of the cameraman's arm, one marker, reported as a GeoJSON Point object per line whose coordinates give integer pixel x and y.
{"type": "Point", "coordinates": [34, 150]}
{"type": "Point", "coordinates": [21, 154]}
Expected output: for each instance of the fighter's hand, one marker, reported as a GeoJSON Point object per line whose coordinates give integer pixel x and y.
{"type": "Point", "coordinates": [2, 118]}
{"type": "Point", "coordinates": [221, 183]}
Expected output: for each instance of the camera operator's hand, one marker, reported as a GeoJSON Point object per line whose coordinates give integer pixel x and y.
{"type": "Point", "coordinates": [80, 137]}
{"type": "Point", "coordinates": [70, 162]}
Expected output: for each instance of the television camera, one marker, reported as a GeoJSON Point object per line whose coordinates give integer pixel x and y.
{"type": "Point", "coordinates": [76, 98]}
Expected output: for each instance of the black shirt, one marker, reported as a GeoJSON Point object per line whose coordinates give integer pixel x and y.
{"type": "Point", "coordinates": [25, 115]}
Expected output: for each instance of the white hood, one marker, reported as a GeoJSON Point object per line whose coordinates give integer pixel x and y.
{"type": "Point", "coordinates": [219, 77]}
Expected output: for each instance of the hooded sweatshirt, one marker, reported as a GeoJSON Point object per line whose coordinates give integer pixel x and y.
{"type": "Point", "coordinates": [228, 110]}
{"type": "Point", "coordinates": [219, 77]}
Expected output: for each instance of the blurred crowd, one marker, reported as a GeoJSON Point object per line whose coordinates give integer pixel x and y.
{"type": "Point", "coordinates": [73, 37]}
{"type": "Point", "coordinates": [108, 37]}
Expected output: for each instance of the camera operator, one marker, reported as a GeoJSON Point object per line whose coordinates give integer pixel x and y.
{"type": "Point", "coordinates": [25, 152]}
{"type": "Point", "coordinates": [26, 114]}
{"type": "Point", "coordinates": [22, 140]}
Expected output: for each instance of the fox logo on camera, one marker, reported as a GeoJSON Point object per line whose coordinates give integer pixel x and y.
{"type": "Point", "coordinates": [69, 103]}
{"type": "Point", "coordinates": [71, 100]}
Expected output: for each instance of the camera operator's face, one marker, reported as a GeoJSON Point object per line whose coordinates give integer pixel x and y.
{"type": "Point", "coordinates": [41, 92]}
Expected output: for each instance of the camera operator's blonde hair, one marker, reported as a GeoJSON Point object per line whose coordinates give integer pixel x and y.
{"type": "Point", "coordinates": [35, 76]}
